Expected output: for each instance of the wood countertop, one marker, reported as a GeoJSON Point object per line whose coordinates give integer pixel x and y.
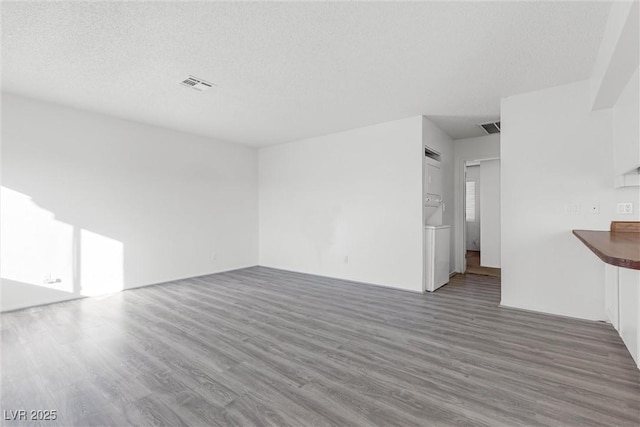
{"type": "Point", "coordinates": [613, 247]}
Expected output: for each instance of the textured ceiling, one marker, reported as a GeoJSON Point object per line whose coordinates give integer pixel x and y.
{"type": "Point", "coordinates": [285, 71]}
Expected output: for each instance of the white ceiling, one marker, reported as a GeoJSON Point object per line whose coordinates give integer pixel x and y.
{"type": "Point", "coordinates": [286, 71]}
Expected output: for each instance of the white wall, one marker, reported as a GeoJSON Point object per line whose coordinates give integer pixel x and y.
{"type": "Point", "coordinates": [355, 194]}
{"type": "Point", "coordinates": [618, 56]}
{"type": "Point", "coordinates": [468, 149]}
{"type": "Point", "coordinates": [490, 212]}
{"type": "Point", "coordinates": [105, 204]}
{"type": "Point", "coordinates": [626, 131]}
{"type": "Point", "coordinates": [555, 151]}
{"type": "Point", "coordinates": [473, 227]}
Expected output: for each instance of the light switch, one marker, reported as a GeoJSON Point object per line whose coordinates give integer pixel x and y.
{"type": "Point", "coordinates": [572, 208]}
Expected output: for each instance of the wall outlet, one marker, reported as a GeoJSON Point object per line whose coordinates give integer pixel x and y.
{"type": "Point", "coordinates": [624, 208]}
{"type": "Point", "coordinates": [346, 259]}
{"type": "Point", "coordinates": [214, 256]}
{"type": "Point", "coordinates": [572, 208]}
{"type": "Point", "coordinates": [594, 208]}
{"type": "Point", "coordinates": [51, 280]}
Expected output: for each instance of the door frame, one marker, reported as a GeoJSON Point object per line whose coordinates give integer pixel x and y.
{"type": "Point", "coordinates": [461, 240]}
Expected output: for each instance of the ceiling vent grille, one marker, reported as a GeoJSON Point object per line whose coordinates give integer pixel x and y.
{"type": "Point", "coordinates": [196, 84]}
{"type": "Point", "coordinates": [489, 128]}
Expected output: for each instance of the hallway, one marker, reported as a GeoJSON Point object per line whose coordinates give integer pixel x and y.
{"type": "Point", "coordinates": [473, 265]}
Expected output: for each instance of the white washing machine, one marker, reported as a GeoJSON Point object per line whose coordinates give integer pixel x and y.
{"type": "Point", "coordinates": [436, 252]}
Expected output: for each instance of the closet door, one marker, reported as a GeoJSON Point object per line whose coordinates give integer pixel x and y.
{"type": "Point", "coordinates": [433, 180]}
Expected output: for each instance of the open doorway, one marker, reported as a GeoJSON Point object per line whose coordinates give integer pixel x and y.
{"type": "Point", "coordinates": [482, 217]}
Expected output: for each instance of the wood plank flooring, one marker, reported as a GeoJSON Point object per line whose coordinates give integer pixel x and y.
{"type": "Point", "coordinates": [474, 267]}
{"type": "Point", "coordinates": [260, 346]}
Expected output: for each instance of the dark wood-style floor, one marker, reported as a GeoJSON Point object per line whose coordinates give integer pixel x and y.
{"type": "Point", "coordinates": [474, 267]}
{"type": "Point", "coordinates": [265, 347]}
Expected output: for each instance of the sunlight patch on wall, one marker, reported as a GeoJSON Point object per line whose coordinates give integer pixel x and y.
{"type": "Point", "coordinates": [37, 249]}
{"type": "Point", "coordinates": [101, 267]}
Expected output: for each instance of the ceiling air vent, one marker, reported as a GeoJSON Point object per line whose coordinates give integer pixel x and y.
{"type": "Point", "coordinates": [196, 83]}
{"type": "Point", "coordinates": [490, 128]}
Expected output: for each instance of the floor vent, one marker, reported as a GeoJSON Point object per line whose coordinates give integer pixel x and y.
{"type": "Point", "coordinates": [196, 83]}
{"type": "Point", "coordinates": [489, 128]}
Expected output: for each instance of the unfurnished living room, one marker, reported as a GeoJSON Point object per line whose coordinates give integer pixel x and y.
{"type": "Point", "coordinates": [320, 213]}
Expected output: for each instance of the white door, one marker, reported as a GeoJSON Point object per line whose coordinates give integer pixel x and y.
{"type": "Point", "coordinates": [490, 213]}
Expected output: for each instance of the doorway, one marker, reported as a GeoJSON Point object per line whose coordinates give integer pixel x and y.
{"type": "Point", "coordinates": [482, 217]}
